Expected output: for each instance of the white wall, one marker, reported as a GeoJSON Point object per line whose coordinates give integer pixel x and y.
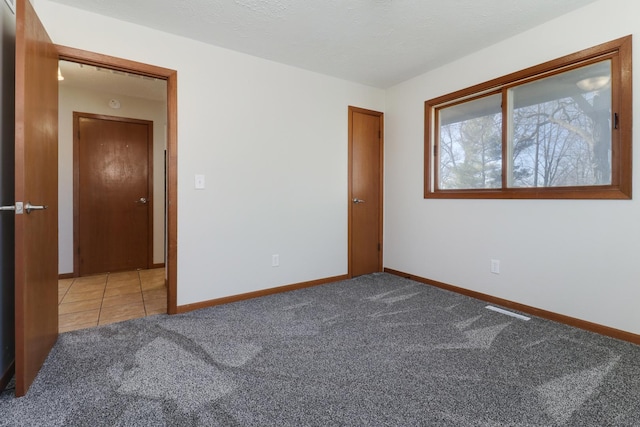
{"type": "Point", "coordinates": [271, 141]}
{"type": "Point", "coordinates": [90, 101]}
{"type": "Point", "coordinates": [577, 258]}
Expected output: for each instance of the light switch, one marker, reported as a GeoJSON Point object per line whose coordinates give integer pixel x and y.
{"type": "Point", "coordinates": [199, 182]}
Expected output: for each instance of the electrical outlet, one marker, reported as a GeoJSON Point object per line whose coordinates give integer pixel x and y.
{"type": "Point", "coordinates": [275, 260]}
{"type": "Point", "coordinates": [495, 266]}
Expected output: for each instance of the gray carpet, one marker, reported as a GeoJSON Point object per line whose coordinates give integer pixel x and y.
{"type": "Point", "coordinates": [377, 350]}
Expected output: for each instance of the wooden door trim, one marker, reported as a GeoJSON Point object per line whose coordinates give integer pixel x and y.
{"type": "Point", "coordinates": [171, 76]}
{"type": "Point", "coordinates": [76, 181]}
{"type": "Point", "coordinates": [380, 116]}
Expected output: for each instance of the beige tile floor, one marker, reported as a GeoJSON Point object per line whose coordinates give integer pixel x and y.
{"type": "Point", "coordinates": [89, 301]}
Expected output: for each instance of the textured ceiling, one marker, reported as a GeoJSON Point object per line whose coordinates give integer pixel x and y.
{"type": "Point", "coordinates": [374, 42]}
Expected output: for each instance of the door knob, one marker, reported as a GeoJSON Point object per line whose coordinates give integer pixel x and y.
{"type": "Point", "coordinates": [356, 201]}
{"type": "Point", "coordinates": [29, 207]}
{"type": "Point", "coordinates": [18, 208]}
{"type": "Point", "coordinates": [142, 200]}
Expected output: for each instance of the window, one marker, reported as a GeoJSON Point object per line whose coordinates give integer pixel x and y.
{"type": "Point", "coordinates": [558, 130]}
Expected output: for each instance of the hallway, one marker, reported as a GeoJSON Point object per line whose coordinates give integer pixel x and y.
{"type": "Point", "coordinates": [89, 301]}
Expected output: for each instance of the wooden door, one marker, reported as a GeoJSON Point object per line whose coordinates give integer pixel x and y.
{"type": "Point", "coordinates": [365, 195]}
{"type": "Point", "coordinates": [113, 166]}
{"type": "Point", "coordinates": [36, 182]}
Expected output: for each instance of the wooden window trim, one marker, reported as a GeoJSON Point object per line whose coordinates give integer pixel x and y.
{"type": "Point", "coordinates": [619, 51]}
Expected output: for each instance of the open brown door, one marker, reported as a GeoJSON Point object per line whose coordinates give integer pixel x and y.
{"type": "Point", "coordinates": [365, 193]}
{"type": "Point", "coordinates": [36, 235]}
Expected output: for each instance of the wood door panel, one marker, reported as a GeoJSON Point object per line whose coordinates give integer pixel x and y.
{"type": "Point", "coordinates": [113, 175]}
{"type": "Point", "coordinates": [36, 181]}
{"type": "Point", "coordinates": [366, 185]}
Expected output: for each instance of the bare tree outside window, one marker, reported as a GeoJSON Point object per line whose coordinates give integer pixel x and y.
{"type": "Point", "coordinates": [565, 141]}
{"type": "Point", "coordinates": [471, 149]}
{"type": "Point", "coordinates": [558, 130]}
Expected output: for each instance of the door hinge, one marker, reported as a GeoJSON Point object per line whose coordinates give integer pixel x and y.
{"type": "Point", "coordinates": [378, 247]}
{"type": "Point", "coordinates": [379, 134]}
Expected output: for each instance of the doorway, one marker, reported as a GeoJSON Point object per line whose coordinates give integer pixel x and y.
{"type": "Point", "coordinates": [118, 65]}
{"type": "Point", "coordinates": [365, 191]}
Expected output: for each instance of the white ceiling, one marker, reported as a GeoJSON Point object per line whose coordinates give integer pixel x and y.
{"type": "Point", "coordinates": [374, 42]}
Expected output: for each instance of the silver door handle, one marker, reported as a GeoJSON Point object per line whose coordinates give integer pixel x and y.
{"type": "Point", "coordinates": [356, 201]}
{"type": "Point", "coordinates": [18, 208]}
{"type": "Point", "coordinates": [142, 200]}
{"type": "Point", "coordinates": [29, 207]}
